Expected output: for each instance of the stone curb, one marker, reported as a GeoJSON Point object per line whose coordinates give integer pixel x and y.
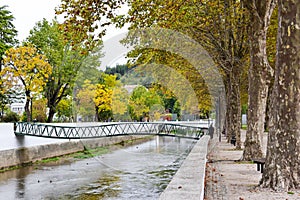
{"type": "Point", "coordinates": [188, 182]}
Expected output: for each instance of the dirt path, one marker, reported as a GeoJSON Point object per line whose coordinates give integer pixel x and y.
{"type": "Point", "coordinates": [227, 178]}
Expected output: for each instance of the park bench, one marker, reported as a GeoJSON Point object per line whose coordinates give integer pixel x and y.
{"type": "Point", "coordinates": [260, 162]}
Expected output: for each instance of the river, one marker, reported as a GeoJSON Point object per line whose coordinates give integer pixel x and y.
{"type": "Point", "coordinates": [141, 171]}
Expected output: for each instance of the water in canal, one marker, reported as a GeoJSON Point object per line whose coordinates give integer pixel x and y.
{"type": "Point", "coordinates": [140, 171]}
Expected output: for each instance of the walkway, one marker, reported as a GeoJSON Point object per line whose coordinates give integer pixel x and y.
{"type": "Point", "coordinates": [230, 180]}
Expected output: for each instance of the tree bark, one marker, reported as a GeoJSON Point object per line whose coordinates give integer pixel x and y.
{"type": "Point", "coordinates": [235, 106]}
{"type": "Point", "coordinates": [51, 114]}
{"type": "Point", "coordinates": [282, 171]}
{"type": "Point", "coordinates": [27, 104]}
{"type": "Point", "coordinates": [259, 76]}
{"type": "Point", "coordinates": [228, 108]}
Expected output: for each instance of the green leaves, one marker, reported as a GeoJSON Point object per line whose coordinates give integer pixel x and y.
{"type": "Point", "coordinates": [83, 17]}
{"type": "Point", "coordinates": [141, 101]}
{"type": "Point", "coordinates": [7, 31]}
{"type": "Point", "coordinates": [65, 57]}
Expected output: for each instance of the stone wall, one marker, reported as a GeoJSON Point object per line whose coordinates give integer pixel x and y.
{"type": "Point", "coordinates": [23, 155]}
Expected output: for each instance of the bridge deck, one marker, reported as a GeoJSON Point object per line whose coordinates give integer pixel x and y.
{"type": "Point", "coordinates": [87, 131]}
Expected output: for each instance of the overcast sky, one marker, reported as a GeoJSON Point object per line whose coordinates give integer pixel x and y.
{"type": "Point", "coordinates": [28, 12]}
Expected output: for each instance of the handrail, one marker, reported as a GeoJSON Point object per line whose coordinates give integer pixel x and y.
{"type": "Point", "coordinates": [109, 130]}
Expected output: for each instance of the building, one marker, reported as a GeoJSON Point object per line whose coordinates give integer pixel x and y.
{"type": "Point", "coordinates": [17, 108]}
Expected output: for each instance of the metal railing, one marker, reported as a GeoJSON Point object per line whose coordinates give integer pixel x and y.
{"type": "Point", "coordinates": [77, 131]}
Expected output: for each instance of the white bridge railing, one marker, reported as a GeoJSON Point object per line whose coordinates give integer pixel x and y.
{"type": "Point", "coordinates": [84, 131]}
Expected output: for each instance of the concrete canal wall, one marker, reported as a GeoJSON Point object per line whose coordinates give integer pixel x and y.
{"type": "Point", "coordinates": [188, 182]}
{"type": "Point", "coordinates": [23, 155]}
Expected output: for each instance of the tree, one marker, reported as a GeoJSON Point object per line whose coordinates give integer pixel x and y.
{"type": "Point", "coordinates": [120, 101]}
{"type": "Point", "coordinates": [103, 101]}
{"type": "Point", "coordinates": [219, 26]}
{"type": "Point", "coordinates": [7, 40]}
{"type": "Point", "coordinates": [141, 101]}
{"type": "Point", "coordinates": [8, 31]}
{"type": "Point", "coordinates": [23, 65]}
{"type": "Point", "coordinates": [65, 109]}
{"type": "Point", "coordinates": [82, 19]}
{"type": "Point", "coordinates": [39, 110]}
{"type": "Point", "coordinates": [260, 74]}
{"type": "Point", "coordinates": [282, 167]}
{"type": "Point", "coordinates": [89, 68]}
{"type": "Point", "coordinates": [84, 101]}
{"type": "Point", "coordinates": [64, 56]}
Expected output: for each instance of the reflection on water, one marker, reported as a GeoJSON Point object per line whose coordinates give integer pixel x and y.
{"type": "Point", "coordinates": [140, 171]}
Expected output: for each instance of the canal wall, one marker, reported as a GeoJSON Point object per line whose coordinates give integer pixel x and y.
{"type": "Point", "coordinates": [188, 182]}
{"type": "Point", "coordinates": [24, 155]}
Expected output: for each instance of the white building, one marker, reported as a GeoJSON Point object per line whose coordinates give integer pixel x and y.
{"type": "Point", "coordinates": [17, 108]}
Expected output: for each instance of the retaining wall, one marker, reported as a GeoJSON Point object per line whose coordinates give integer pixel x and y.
{"type": "Point", "coordinates": [188, 182]}
{"type": "Point", "coordinates": [23, 155]}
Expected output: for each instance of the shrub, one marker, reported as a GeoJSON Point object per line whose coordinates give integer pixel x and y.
{"type": "Point", "coordinates": [11, 117]}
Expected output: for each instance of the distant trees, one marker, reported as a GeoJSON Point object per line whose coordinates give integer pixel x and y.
{"type": "Point", "coordinates": [141, 101]}
{"type": "Point", "coordinates": [65, 110]}
{"type": "Point", "coordinates": [119, 70]}
{"type": "Point", "coordinates": [95, 100]}
{"type": "Point", "coordinates": [85, 105]}
{"type": "Point", "coordinates": [120, 102]}
{"type": "Point", "coordinates": [39, 110]}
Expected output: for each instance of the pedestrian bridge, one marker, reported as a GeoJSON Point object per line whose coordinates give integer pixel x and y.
{"type": "Point", "coordinates": [98, 130]}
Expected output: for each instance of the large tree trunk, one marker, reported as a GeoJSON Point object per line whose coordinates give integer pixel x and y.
{"type": "Point", "coordinates": [259, 76]}
{"type": "Point", "coordinates": [282, 171]}
{"type": "Point", "coordinates": [51, 114]}
{"type": "Point", "coordinates": [228, 108]}
{"type": "Point", "coordinates": [235, 106]}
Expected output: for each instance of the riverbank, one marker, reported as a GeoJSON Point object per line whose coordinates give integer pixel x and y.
{"type": "Point", "coordinates": [227, 178]}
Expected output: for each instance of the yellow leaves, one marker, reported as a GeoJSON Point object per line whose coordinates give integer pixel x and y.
{"type": "Point", "coordinates": [24, 65]}
{"type": "Point", "coordinates": [86, 105]}
{"type": "Point", "coordinates": [103, 98]}
{"type": "Point", "coordinates": [94, 97]}
{"type": "Point", "coordinates": [120, 99]}
{"type": "Point", "coordinates": [110, 80]}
